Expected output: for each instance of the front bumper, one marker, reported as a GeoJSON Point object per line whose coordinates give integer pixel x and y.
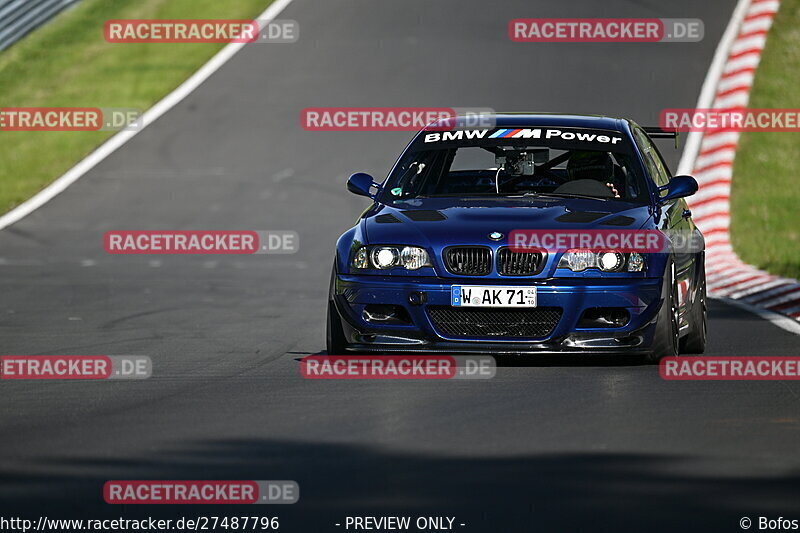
{"type": "Point", "coordinates": [641, 297]}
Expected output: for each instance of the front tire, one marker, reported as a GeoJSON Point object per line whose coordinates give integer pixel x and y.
{"type": "Point", "coordinates": [335, 341]}
{"type": "Point", "coordinates": [666, 339]}
{"type": "Point", "coordinates": [695, 340]}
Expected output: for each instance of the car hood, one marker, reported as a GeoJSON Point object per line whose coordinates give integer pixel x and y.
{"type": "Point", "coordinates": [427, 222]}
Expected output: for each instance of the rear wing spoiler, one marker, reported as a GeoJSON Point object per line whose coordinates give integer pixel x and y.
{"type": "Point", "coordinates": [655, 132]}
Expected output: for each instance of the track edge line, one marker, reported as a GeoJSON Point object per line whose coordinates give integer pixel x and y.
{"type": "Point", "coordinates": [178, 94]}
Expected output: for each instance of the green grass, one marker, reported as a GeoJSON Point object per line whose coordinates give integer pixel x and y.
{"type": "Point", "coordinates": [68, 63]}
{"type": "Point", "coordinates": [765, 200]}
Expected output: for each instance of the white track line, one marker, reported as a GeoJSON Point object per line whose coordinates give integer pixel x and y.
{"type": "Point", "coordinates": [782, 321]}
{"type": "Point", "coordinates": [709, 89]}
{"type": "Point", "coordinates": [149, 116]}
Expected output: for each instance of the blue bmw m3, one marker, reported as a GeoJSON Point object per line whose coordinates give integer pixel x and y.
{"type": "Point", "coordinates": [430, 267]}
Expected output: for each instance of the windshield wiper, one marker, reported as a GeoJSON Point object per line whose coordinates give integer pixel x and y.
{"type": "Point", "coordinates": [563, 195]}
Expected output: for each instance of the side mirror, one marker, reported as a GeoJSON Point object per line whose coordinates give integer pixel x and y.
{"type": "Point", "coordinates": [678, 187]}
{"type": "Point", "coordinates": [360, 184]}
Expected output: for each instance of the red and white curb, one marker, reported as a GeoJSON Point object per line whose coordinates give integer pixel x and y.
{"type": "Point", "coordinates": [709, 158]}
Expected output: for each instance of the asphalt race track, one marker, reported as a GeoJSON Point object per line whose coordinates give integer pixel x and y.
{"type": "Point", "coordinates": [550, 445]}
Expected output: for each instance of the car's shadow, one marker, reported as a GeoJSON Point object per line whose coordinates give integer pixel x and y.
{"type": "Point", "coordinates": [569, 360]}
{"type": "Point", "coordinates": [527, 360]}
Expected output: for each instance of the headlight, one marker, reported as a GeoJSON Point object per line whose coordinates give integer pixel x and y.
{"type": "Point", "coordinates": [413, 257]}
{"type": "Point", "coordinates": [610, 261]}
{"type": "Point", "coordinates": [635, 262]}
{"type": "Point", "coordinates": [361, 258]}
{"type": "Point", "coordinates": [386, 257]}
{"type": "Point", "coordinates": [580, 260]}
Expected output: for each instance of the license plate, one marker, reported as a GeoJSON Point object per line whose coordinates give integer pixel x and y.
{"type": "Point", "coordinates": [492, 296]}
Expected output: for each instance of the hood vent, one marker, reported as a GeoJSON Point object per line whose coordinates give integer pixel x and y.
{"type": "Point", "coordinates": [387, 218]}
{"type": "Point", "coordinates": [621, 220]}
{"type": "Point", "coordinates": [424, 215]}
{"type": "Point", "coordinates": [580, 217]}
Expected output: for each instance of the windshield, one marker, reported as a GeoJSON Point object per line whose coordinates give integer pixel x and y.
{"type": "Point", "coordinates": [518, 162]}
